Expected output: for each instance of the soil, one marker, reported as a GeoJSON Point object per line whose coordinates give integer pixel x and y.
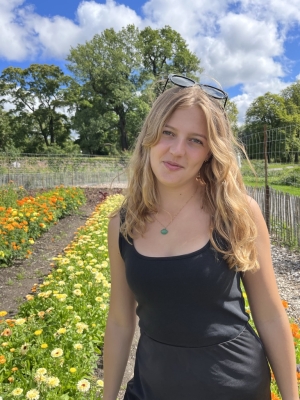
{"type": "Point", "coordinates": [16, 281]}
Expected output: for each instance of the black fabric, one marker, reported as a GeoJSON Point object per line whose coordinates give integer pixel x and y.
{"type": "Point", "coordinates": [195, 341]}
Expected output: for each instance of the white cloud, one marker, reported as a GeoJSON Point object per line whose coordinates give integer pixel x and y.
{"type": "Point", "coordinates": [239, 43]}
{"type": "Point", "coordinates": [254, 89]}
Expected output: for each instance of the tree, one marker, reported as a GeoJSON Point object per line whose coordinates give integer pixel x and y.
{"type": "Point", "coordinates": [114, 70]}
{"type": "Point", "coordinates": [38, 94]}
{"type": "Point", "coordinates": [105, 68]}
{"type": "Point", "coordinates": [232, 114]}
{"type": "Point", "coordinates": [272, 111]}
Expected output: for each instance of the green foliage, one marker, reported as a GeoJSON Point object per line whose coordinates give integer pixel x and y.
{"type": "Point", "coordinates": [38, 94]}
{"type": "Point", "coordinates": [114, 73]}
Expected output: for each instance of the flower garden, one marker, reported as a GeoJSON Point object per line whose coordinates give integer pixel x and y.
{"type": "Point", "coordinates": [49, 350]}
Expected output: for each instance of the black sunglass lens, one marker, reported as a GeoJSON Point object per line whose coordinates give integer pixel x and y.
{"type": "Point", "coordinates": [214, 92]}
{"type": "Point", "coordinates": [182, 81]}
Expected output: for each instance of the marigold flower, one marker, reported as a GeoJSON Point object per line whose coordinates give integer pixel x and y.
{"type": "Point", "coordinates": [38, 332]}
{"type": "Point", "coordinates": [61, 331]}
{"type": "Point", "coordinates": [274, 396]}
{"type": "Point", "coordinates": [25, 348]}
{"type": "Point", "coordinates": [14, 369]}
{"type": "Point", "coordinates": [285, 303]}
{"type": "Point", "coordinates": [11, 379]}
{"type": "Point", "coordinates": [17, 392]}
{"type": "Point", "coordinates": [78, 346]}
{"type": "Point", "coordinates": [29, 297]}
{"type": "Point", "coordinates": [294, 328]}
{"type": "Point", "coordinates": [57, 353]}
{"type": "Point", "coordinates": [20, 321]}
{"type": "Point", "coordinates": [73, 370]}
{"type": "Point", "coordinates": [52, 381]}
{"type": "Point", "coordinates": [33, 394]}
{"type": "Point", "coordinates": [2, 359]}
{"type": "Point", "coordinates": [41, 371]}
{"type": "Point", "coordinates": [3, 313]}
{"type": "Point", "coordinates": [83, 385]}
{"type": "Point", "coordinates": [44, 345]}
{"type": "Point", "coordinates": [6, 332]}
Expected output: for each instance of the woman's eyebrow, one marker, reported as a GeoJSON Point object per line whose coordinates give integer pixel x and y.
{"type": "Point", "coordinates": [192, 133]}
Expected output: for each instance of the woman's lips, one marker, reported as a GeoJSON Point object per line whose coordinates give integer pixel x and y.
{"type": "Point", "coordinates": [172, 166]}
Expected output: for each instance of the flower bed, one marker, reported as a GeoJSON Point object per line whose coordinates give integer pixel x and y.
{"type": "Point", "coordinates": [29, 217]}
{"type": "Point", "coordinates": [49, 350]}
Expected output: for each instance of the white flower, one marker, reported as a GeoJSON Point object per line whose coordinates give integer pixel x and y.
{"type": "Point", "coordinates": [52, 381]}
{"type": "Point", "coordinates": [83, 385]}
{"type": "Point", "coordinates": [33, 394]}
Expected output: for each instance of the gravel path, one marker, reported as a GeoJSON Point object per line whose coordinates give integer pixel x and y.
{"type": "Point", "coordinates": [287, 271]}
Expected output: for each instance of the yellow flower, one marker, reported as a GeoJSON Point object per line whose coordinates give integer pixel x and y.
{"type": "Point", "coordinates": [52, 381]}
{"type": "Point", "coordinates": [3, 313]}
{"type": "Point", "coordinates": [78, 346]}
{"type": "Point", "coordinates": [44, 345]}
{"type": "Point", "coordinates": [100, 383]}
{"type": "Point", "coordinates": [69, 307]}
{"type": "Point", "coordinates": [20, 321]}
{"type": "Point", "coordinates": [41, 371]}
{"type": "Point", "coordinates": [61, 331]}
{"type": "Point", "coordinates": [11, 379]}
{"type": "Point", "coordinates": [98, 299]}
{"type": "Point", "coordinates": [78, 292]}
{"type": "Point", "coordinates": [12, 350]}
{"type": "Point", "coordinates": [57, 352]}
{"type": "Point", "coordinates": [29, 297]}
{"type": "Point", "coordinates": [83, 385]}
{"type": "Point", "coordinates": [30, 241]}
{"type": "Point", "coordinates": [14, 369]}
{"type": "Point", "coordinates": [4, 344]}
{"type": "Point", "coordinates": [17, 392]}
{"type": "Point", "coordinates": [38, 332]}
{"type": "Point", "coordinates": [73, 370]}
{"type": "Point", "coordinates": [32, 394]}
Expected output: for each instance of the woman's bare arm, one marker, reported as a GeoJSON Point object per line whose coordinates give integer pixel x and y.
{"type": "Point", "coordinates": [269, 315]}
{"type": "Point", "coordinates": [121, 319]}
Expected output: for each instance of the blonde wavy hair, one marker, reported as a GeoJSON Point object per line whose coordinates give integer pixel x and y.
{"type": "Point", "coordinates": [232, 230]}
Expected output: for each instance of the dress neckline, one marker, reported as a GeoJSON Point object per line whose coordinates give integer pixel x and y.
{"type": "Point", "coordinates": [180, 256]}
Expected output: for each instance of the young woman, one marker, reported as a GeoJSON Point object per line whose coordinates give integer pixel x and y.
{"type": "Point", "coordinates": [184, 238]}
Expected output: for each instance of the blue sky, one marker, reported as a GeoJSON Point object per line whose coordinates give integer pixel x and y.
{"type": "Point", "coordinates": [250, 46]}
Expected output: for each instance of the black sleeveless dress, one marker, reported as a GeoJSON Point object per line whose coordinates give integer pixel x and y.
{"type": "Point", "coordinates": [196, 342]}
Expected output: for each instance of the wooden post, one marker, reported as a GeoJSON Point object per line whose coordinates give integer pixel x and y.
{"type": "Point", "coordinates": [267, 189]}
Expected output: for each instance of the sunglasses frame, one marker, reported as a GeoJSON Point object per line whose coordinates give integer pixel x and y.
{"type": "Point", "coordinates": [194, 83]}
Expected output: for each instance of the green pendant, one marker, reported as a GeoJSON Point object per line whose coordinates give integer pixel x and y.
{"type": "Point", "coordinates": [164, 231]}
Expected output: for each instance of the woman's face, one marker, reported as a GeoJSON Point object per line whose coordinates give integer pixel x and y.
{"type": "Point", "coordinates": [182, 148]}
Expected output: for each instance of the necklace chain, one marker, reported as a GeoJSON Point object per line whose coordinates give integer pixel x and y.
{"type": "Point", "coordinates": [164, 231]}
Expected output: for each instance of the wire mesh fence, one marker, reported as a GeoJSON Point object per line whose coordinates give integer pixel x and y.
{"type": "Point", "coordinates": [43, 171]}
{"type": "Point", "coordinates": [274, 154]}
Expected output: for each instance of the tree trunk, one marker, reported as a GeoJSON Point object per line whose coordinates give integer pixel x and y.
{"type": "Point", "coordinates": [122, 126]}
{"type": "Point", "coordinates": [51, 130]}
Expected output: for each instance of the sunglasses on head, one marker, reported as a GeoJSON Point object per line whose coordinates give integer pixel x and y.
{"type": "Point", "coordinates": [211, 91]}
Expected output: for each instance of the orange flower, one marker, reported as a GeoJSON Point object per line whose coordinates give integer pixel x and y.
{"type": "Point", "coordinates": [285, 303]}
{"type": "Point", "coordinates": [2, 359]}
{"type": "Point", "coordinates": [274, 396]}
{"type": "Point", "coordinates": [272, 375]}
{"type": "Point", "coordinates": [294, 328]}
{"type": "Point", "coordinates": [6, 332]}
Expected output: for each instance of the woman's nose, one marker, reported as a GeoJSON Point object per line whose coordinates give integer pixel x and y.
{"type": "Point", "coordinates": [178, 147]}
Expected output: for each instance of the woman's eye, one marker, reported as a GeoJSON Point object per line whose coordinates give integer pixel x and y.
{"type": "Point", "coordinates": [167, 133]}
{"type": "Point", "coordinates": [197, 141]}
